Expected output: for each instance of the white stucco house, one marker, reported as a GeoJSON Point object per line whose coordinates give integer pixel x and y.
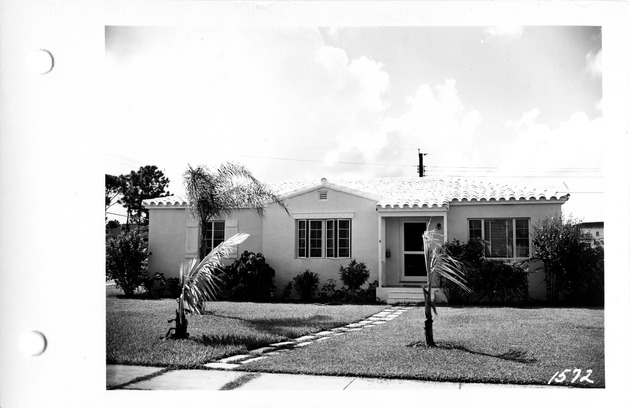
{"type": "Point", "coordinates": [378, 221]}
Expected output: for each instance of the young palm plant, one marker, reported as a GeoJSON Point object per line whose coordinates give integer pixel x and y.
{"type": "Point", "coordinates": [200, 281]}
{"type": "Point", "coordinates": [216, 193]}
{"type": "Point", "coordinates": [439, 263]}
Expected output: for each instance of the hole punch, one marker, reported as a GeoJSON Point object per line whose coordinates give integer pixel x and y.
{"type": "Point", "coordinates": [33, 343]}
{"type": "Point", "coordinates": [41, 62]}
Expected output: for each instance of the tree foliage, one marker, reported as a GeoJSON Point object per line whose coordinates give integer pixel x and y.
{"type": "Point", "coordinates": [126, 260]}
{"type": "Point", "coordinates": [113, 188]}
{"type": "Point", "coordinates": [130, 189]}
{"type": "Point", "coordinates": [147, 182]}
{"type": "Point", "coordinates": [217, 193]}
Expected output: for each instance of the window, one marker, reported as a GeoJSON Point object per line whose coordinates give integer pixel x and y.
{"type": "Point", "coordinates": [505, 237]}
{"type": "Point", "coordinates": [215, 234]}
{"type": "Point", "coordinates": [323, 238]}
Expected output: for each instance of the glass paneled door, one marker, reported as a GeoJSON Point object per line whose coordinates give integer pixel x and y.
{"type": "Point", "coordinates": [414, 268]}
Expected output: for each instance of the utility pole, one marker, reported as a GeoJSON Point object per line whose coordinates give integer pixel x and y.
{"type": "Point", "coordinates": [420, 163]}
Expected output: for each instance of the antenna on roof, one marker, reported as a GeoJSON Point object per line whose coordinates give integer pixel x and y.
{"type": "Point", "coordinates": [421, 168]}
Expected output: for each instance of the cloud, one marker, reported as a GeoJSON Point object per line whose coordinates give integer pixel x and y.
{"type": "Point", "coordinates": [507, 32]}
{"type": "Point", "coordinates": [434, 119]}
{"type": "Point", "coordinates": [571, 144]}
{"type": "Point", "coordinates": [209, 95]}
{"type": "Point", "coordinates": [594, 63]}
{"type": "Point", "coordinates": [526, 120]}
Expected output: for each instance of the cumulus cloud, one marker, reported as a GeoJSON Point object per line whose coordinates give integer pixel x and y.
{"type": "Point", "coordinates": [528, 119]}
{"type": "Point", "coordinates": [208, 95]}
{"type": "Point", "coordinates": [594, 63]}
{"type": "Point", "coordinates": [435, 117]}
{"type": "Point", "coordinates": [571, 144]}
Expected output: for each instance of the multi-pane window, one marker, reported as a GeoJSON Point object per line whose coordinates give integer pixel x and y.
{"type": "Point", "coordinates": [505, 237]}
{"type": "Point", "coordinates": [215, 234]}
{"type": "Point", "coordinates": [323, 238]}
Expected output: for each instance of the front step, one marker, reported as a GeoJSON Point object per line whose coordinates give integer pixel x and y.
{"type": "Point", "coordinates": [406, 295]}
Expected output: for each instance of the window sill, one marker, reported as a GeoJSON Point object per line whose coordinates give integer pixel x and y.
{"type": "Point", "coordinates": [322, 257]}
{"type": "Point", "coordinates": [506, 259]}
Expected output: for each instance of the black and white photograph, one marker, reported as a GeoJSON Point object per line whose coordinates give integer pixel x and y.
{"type": "Point", "coordinates": [368, 197]}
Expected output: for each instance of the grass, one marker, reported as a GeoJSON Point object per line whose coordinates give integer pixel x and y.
{"type": "Point", "coordinates": [490, 345]}
{"type": "Point", "coordinates": [135, 328]}
{"type": "Point", "coordinates": [475, 344]}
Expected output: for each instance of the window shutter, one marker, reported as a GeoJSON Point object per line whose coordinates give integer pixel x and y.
{"type": "Point", "coordinates": [231, 229]}
{"type": "Point", "coordinates": [192, 237]}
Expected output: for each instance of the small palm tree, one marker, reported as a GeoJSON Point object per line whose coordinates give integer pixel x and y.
{"type": "Point", "coordinates": [200, 282]}
{"type": "Point", "coordinates": [217, 193]}
{"type": "Point", "coordinates": [439, 263]}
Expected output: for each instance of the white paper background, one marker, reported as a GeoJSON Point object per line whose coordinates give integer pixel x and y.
{"type": "Point", "coordinates": [51, 189]}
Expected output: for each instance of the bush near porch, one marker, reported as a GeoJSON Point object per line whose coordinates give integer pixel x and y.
{"type": "Point", "coordinates": [492, 281]}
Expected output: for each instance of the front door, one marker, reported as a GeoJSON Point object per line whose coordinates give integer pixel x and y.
{"type": "Point", "coordinates": [414, 268]}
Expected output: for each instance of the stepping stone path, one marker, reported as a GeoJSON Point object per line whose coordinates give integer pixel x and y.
{"type": "Point", "coordinates": [232, 362]}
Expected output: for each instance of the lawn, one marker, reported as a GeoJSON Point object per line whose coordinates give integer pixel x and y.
{"type": "Point", "coordinates": [135, 328]}
{"type": "Point", "coordinates": [475, 344]}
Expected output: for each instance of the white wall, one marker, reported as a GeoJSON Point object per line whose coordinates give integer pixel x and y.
{"type": "Point", "coordinates": [174, 237]}
{"type": "Point", "coordinates": [167, 240]}
{"type": "Point", "coordinates": [279, 236]}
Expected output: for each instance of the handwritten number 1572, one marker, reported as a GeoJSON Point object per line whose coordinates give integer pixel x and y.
{"type": "Point", "coordinates": [561, 377]}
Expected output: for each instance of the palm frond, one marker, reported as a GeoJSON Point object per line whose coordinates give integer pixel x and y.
{"type": "Point", "coordinates": [449, 268]}
{"type": "Point", "coordinates": [202, 281]}
{"type": "Point", "coordinates": [440, 263]}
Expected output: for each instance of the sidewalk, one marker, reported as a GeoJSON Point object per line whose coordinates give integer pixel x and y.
{"type": "Point", "coordinates": [155, 378]}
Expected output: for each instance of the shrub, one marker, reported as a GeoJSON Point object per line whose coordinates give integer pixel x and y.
{"type": "Point", "coordinates": [286, 292]}
{"type": "Point", "coordinates": [492, 281]}
{"type": "Point", "coordinates": [471, 256]}
{"type": "Point", "coordinates": [574, 271]}
{"type": "Point", "coordinates": [112, 224]}
{"type": "Point", "coordinates": [354, 275]}
{"type": "Point", "coordinates": [499, 281]}
{"type": "Point", "coordinates": [158, 286]}
{"type": "Point", "coordinates": [330, 293]}
{"type": "Point", "coordinates": [329, 290]}
{"type": "Point", "coordinates": [305, 284]}
{"type": "Point", "coordinates": [126, 260]}
{"type": "Point", "coordinates": [367, 295]}
{"type": "Point", "coordinates": [587, 283]}
{"type": "Point", "coordinates": [249, 278]}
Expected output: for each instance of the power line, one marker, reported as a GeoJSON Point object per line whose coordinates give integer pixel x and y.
{"type": "Point", "coordinates": [111, 213]}
{"type": "Point", "coordinates": [521, 168]}
{"type": "Point", "coordinates": [324, 161]}
{"type": "Point", "coordinates": [526, 176]}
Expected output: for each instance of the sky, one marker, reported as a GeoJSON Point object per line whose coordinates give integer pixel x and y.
{"type": "Point", "coordinates": [521, 104]}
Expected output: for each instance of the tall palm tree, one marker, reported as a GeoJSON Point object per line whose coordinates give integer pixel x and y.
{"type": "Point", "coordinates": [200, 282]}
{"type": "Point", "coordinates": [439, 263]}
{"type": "Point", "coordinates": [217, 193]}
